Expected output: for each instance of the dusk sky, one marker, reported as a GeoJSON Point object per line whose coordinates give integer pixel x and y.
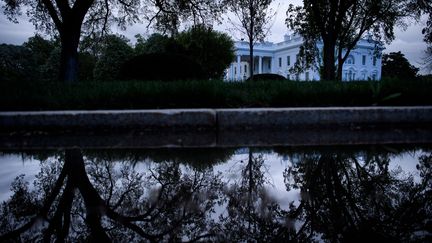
{"type": "Point", "coordinates": [409, 42]}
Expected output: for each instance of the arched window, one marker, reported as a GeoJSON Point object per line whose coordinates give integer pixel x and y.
{"type": "Point", "coordinates": [350, 60]}
{"type": "Point", "coordinates": [351, 74]}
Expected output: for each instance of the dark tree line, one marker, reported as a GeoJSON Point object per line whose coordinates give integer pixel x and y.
{"type": "Point", "coordinates": [38, 58]}
{"type": "Point", "coordinates": [73, 20]}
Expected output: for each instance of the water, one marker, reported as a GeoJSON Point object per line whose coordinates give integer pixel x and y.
{"type": "Point", "coordinates": [299, 194]}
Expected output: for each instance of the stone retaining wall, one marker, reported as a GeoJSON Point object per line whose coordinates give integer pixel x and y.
{"type": "Point", "coordinates": [219, 119]}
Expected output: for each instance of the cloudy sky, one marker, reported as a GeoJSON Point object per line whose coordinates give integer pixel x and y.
{"type": "Point", "coordinates": [409, 41]}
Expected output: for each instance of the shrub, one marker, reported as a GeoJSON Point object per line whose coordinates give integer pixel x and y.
{"type": "Point", "coordinates": [164, 67]}
{"type": "Point", "coordinates": [212, 49]}
{"type": "Point", "coordinates": [266, 76]}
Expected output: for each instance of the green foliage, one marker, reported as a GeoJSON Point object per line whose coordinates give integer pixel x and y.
{"type": "Point", "coordinates": [157, 43]}
{"type": "Point", "coordinates": [395, 65]}
{"type": "Point", "coordinates": [16, 63]}
{"type": "Point", "coordinates": [86, 65]}
{"type": "Point", "coordinates": [339, 25]}
{"type": "Point", "coordinates": [212, 49]}
{"type": "Point", "coordinates": [39, 59]}
{"type": "Point", "coordinates": [161, 67]}
{"type": "Point", "coordinates": [215, 94]}
{"type": "Point", "coordinates": [115, 50]}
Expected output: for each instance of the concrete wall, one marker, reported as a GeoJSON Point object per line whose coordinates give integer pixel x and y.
{"type": "Point", "coordinates": [220, 119]}
{"type": "Point", "coordinates": [216, 128]}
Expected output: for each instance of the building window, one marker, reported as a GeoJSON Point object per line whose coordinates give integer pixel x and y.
{"type": "Point", "coordinates": [288, 61]}
{"type": "Point", "coordinates": [307, 76]}
{"type": "Point", "coordinates": [280, 62]}
{"type": "Point", "coordinates": [269, 65]}
{"type": "Point", "coordinates": [350, 60]}
{"type": "Point", "coordinates": [364, 60]}
{"type": "Point", "coordinates": [245, 68]}
{"type": "Point", "coordinates": [374, 61]}
{"type": "Point", "coordinates": [235, 70]}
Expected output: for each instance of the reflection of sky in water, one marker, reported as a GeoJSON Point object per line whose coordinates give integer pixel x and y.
{"type": "Point", "coordinates": [272, 168]}
{"type": "Point", "coordinates": [12, 166]}
{"type": "Point", "coordinates": [274, 165]}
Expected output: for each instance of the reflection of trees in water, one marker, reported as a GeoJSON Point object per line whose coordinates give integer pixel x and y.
{"type": "Point", "coordinates": [346, 196]}
{"type": "Point", "coordinates": [354, 197]}
{"type": "Point", "coordinates": [252, 215]}
{"type": "Point", "coordinates": [105, 204]}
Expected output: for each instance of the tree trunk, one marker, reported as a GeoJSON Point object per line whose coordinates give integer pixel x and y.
{"type": "Point", "coordinates": [329, 72]}
{"type": "Point", "coordinates": [251, 36]}
{"type": "Point", "coordinates": [70, 36]}
{"type": "Point", "coordinates": [251, 68]}
{"type": "Point", "coordinates": [340, 65]}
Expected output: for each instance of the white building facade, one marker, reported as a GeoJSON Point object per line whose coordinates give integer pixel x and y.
{"type": "Point", "coordinates": [363, 63]}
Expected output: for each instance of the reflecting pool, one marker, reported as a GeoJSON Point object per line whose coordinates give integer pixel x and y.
{"type": "Point", "coordinates": [300, 194]}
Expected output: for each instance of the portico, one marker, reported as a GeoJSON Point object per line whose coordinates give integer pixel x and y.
{"type": "Point", "coordinates": [240, 69]}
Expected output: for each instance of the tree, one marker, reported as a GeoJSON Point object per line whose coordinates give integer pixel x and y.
{"type": "Point", "coordinates": [417, 8]}
{"type": "Point", "coordinates": [46, 57]}
{"type": "Point", "coordinates": [212, 49]}
{"type": "Point", "coordinates": [253, 215]}
{"type": "Point", "coordinates": [71, 19]}
{"type": "Point", "coordinates": [86, 198]}
{"type": "Point", "coordinates": [169, 14]}
{"type": "Point", "coordinates": [254, 17]}
{"type": "Point", "coordinates": [114, 51]}
{"type": "Point", "coordinates": [40, 48]}
{"type": "Point", "coordinates": [157, 44]}
{"type": "Point", "coordinates": [355, 196]}
{"type": "Point", "coordinates": [339, 25]}
{"type": "Point", "coordinates": [395, 65]}
{"type": "Point", "coordinates": [16, 63]}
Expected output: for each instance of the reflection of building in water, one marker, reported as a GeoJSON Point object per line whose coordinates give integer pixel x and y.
{"type": "Point", "coordinates": [363, 63]}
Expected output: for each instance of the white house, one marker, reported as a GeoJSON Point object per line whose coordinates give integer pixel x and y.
{"type": "Point", "coordinates": [363, 63]}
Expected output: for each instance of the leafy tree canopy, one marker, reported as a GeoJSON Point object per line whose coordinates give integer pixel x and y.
{"type": "Point", "coordinates": [212, 49]}
{"type": "Point", "coordinates": [15, 63]}
{"type": "Point", "coordinates": [395, 65]}
{"type": "Point", "coordinates": [114, 51]}
{"type": "Point", "coordinates": [340, 25]}
{"type": "Point", "coordinates": [72, 19]}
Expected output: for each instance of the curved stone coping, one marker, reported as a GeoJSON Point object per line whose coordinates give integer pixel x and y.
{"type": "Point", "coordinates": [218, 119]}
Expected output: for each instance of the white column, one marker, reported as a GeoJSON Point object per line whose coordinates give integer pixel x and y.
{"type": "Point", "coordinates": [259, 64]}
{"type": "Point", "coordinates": [273, 65]}
{"type": "Point", "coordinates": [238, 68]}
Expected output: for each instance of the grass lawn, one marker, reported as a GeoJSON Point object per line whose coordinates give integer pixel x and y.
{"type": "Point", "coordinates": [210, 94]}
